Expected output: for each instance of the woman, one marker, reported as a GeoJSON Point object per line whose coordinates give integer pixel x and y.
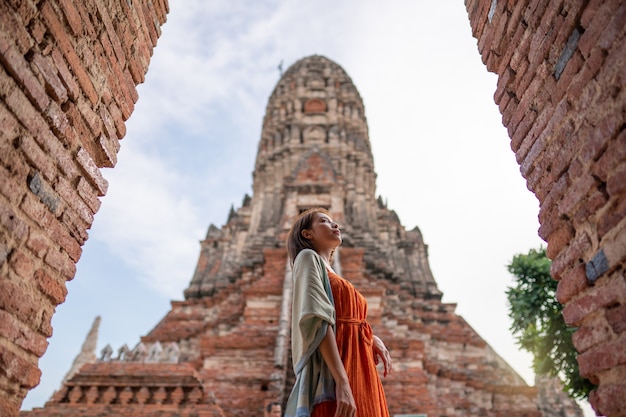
{"type": "Point", "coordinates": [334, 351]}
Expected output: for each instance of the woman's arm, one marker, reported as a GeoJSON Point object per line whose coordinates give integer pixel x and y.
{"type": "Point", "coordinates": [380, 350]}
{"type": "Point", "coordinates": [346, 406]}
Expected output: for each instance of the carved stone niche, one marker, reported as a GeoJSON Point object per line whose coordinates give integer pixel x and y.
{"type": "Point", "coordinates": [315, 83]}
{"type": "Point", "coordinates": [315, 105]}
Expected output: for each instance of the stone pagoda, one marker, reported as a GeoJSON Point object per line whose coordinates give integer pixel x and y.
{"type": "Point", "coordinates": [225, 349]}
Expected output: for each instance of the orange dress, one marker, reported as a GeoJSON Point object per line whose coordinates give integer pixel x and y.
{"type": "Point", "coordinates": [354, 341]}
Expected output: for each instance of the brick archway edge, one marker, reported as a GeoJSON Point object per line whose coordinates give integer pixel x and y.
{"type": "Point", "coordinates": [68, 84]}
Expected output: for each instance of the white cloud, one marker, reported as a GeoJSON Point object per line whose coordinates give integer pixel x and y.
{"type": "Point", "coordinates": [149, 221]}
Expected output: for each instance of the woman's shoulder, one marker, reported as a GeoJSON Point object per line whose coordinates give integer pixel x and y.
{"type": "Point", "coordinates": [308, 256]}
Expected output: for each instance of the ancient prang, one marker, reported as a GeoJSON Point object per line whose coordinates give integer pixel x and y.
{"type": "Point", "coordinates": [225, 349]}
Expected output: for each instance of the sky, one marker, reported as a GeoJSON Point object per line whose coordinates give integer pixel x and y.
{"type": "Point", "coordinates": [441, 153]}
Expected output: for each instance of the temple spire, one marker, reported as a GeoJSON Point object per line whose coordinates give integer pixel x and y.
{"type": "Point", "coordinates": [87, 352]}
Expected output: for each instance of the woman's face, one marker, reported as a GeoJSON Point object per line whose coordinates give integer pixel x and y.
{"type": "Point", "coordinates": [324, 233]}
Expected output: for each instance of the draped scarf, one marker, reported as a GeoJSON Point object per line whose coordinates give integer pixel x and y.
{"type": "Point", "coordinates": [312, 315]}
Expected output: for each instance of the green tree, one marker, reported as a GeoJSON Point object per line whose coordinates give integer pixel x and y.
{"type": "Point", "coordinates": [538, 324]}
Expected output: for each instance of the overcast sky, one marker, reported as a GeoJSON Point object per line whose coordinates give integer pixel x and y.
{"type": "Point", "coordinates": [442, 157]}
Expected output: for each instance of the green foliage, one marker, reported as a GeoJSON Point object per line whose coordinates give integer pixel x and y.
{"type": "Point", "coordinates": [538, 324]}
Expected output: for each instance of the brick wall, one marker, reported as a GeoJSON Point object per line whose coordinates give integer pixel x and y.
{"type": "Point", "coordinates": [561, 69]}
{"type": "Point", "coordinates": [67, 85]}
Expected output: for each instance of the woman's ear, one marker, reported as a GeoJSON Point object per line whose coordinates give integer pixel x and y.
{"type": "Point", "coordinates": [306, 233]}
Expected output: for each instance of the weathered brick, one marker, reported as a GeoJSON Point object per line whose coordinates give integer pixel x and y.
{"type": "Point", "coordinates": [36, 156]}
{"type": "Point", "coordinates": [596, 24]}
{"type": "Point", "coordinates": [118, 120]}
{"type": "Point", "coordinates": [72, 16]}
{"type": "Point", "coordinates": [111, 35]}
{"type": "Point", "coordinates": [611, 291]}
{"type": "Point", "coordinates": [65, 45]}
{"type": "Point", "coordinates": [576, 194]}
{"type": "Point", "coordinates": [616, 182]}
{"type": "Point", "coordinates": [606, 400]}
{"type": "Point", "coordinates": [616, 317]}
{"type": "Point", "coordinates": [69, 194]}
{"type": "Point", "coordinates": [54, 86]}
{"type": "Point", "coordinates": [603, 357]}
{"type": "Point", "coordinates": [571, 256]}
{"type": "Point", "coordinates": [18, 299]}
{"type": "Point", "coordinates": [13, 223]}
{"type": "Point", "coordinates": [12, 23]}
{"type": "Point", "coordinates": [61, 262]}
{"type": "Point", "coordinates": [92, 172]}
{"type": "Point", "coordinates": [38, 242]}
{"type": "Point", "coordinates": [52, 287]}
{"type": "Point", "coordinates": [65, 75]}
{"type": "Point", "coordinates": [22, 335]}
{"type": "Point", "coordinates": [18, 67]}
{"type": "Point", "coordinates": [19, 368]}
{"type": "Point", "coordinates": [611, 217]}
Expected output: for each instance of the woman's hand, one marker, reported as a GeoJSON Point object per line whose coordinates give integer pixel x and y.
{"type": "Point", "coordinates": [346, 407]}
{"type": "Point", "coordinates": [380, 351]}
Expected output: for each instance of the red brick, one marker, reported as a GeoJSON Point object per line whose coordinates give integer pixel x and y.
{"type": "Point", "coordinates": [607, 399]}
{"type": "Point", "coordinates": [601, 358]}
{"type": "Point", "coordinates": [110, 147]}
{"type": "Point", "coordinates": [38, 242]}
{"type": "Point", "coordinates": [13, 223]}
{"type": "Point", "coordinates": [611, 217]}
{"type": "Point", "coordinates": [22, 335]}
{"type": "Point", "coordinates": [615, 246]}
{"type": "Point", "coordinates": [589, 11]}
{"type": "Point", "coordinates": [111, 35]}
{"type": "Point", "coordinates": [571, 284]}
{"type": "Point", "coordinates": [72, 16]}
{"type": "Point", "coordinates": [61, 262]}
{"type": "Point", "coordinates": [576, 193]}
{"type": "Point", "coordinates": [558, 240]}
{"type": "Point", "coordinates": [54, 86]}
{"type": "Point", "coordinates": [94, 123]}
{"type": "Point", "coordinates": [18, 67]}
{"type": "Point", "coordinates": [65, 75]}
{"type": "Point", "coordinates": [616, 182]}
{"type": "Point", "coordinates": [61, 237]}
{"type": "Point", "coordinates": [52, 287]}
{"type": "Point", "coordinates": [612, 156]}
{"type": "Point", "coordinates": [12, 23]}
{"type": "Point", "coordinates": [11, 186]}
{"type": "Point", "coordinates": [21, 369]}
{"type": "Point", "coordinates": [616, 317]}
{"type": "Point", "coordinates": [600, 20]}
{"type": "Point", "coordinates": [591, 335]}
{"type": "Point", "coordinates": [118, 120]}
{"type": "Point", "coordinates": [564, 84]}
{"type": "Point", "coordinates": [65, 45]}
{"type": "Point", "coordinates": [18, 299]}
{"type": "Point", "coordinates": [36, 156]}
{"type": "Point", "coordinates": [71, 198]}
{"type": "Point", "coordinates": [75, 225]}
{"type": "Point", "coordinates": [88, 194]}
{"type": "Point", "coordinates": [147, 18]}
{"type": "Point", "coordinates": [571, 256]}
{"type": "Point", "coordinates": [609, 292]}
{"type": "Point", "coordinates": [22, 264]}
{"type": "Point", "coordinates": [92, 171]}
